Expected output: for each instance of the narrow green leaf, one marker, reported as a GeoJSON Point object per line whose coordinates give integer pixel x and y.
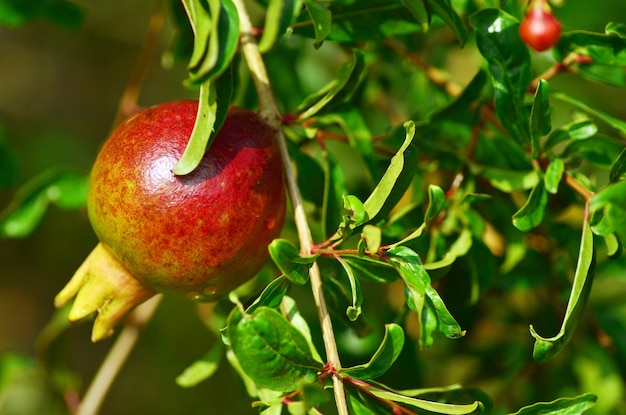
{"type": "Point", "coordinates": [540, 121]}
{"type": "Point", "coordinates": [599, 150]}
{"type": "Point", "coordinates": [459, 247]}
{"type": "Point", "coordinates": [202, 132]}
{"type": "Point", "coordinates": [498, 41]}
{"type": "Point", "coordinates": [272, 294]}
{"type": "Point", "coordinates": [395, 181]}
{"type": "Point", "coordinates": [321, 18]}
{"type": "Point", "coordinates": [421, 296]}
{"type": "Point", "coordinates": [419, 10]}
{"type": "Point", "coordinates": [383, 358]}
{"type": "Point", "coordinates": [202, 26]}
{"type": "Point", "coordinates": [290, 310]}
{"type": "Point", "coordinates": [553, 175]}
{"type": "Point", "coordinates": [290, 262]}
{"type": "Point", "coordinates": [577, 130]}
{"type": "Point", "coordinates": [279, 16]}
{"type": "Point", "coordinates": [337, 91]}
{"type": "Point", "coordinates": [434, 407]}
{"type": "Point", "coordinates": [444, 9]}
{"type": "Point", "coordinates": [201, 369]}
{"type": "Point", "coordinates": [354, 310]}
{"type": "Point", "coordinates": [561, 406]}
{"type": "Point", "coordinates": [612, 194]}
{"type": "Point", "coordinates": [531, 214]}
{"type": "Point", "coordinates": [616, 123]}
{"type": "Point", "coordinates": [546, 348]}
{"type": "Point", "coordinates": [436, 202]}
{"type": "Point", "coordinates": [371, 268]}
{"type": "Point", "coordinates": [510, 180]}
{"type": "Point", "coordinates": [619, 167]}
{"type": "Point", "coordinates": [222, 31]}
{"type": "Point", "coordinates": [272, 352]}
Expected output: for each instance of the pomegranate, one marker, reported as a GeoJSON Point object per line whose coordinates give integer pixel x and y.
{"type": "Point", "coordinates": [201, 234]}
{"type": "Point", "coordinates": [540, 29]}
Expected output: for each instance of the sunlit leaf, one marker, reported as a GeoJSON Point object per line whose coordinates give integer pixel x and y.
{"type": "Point", "coordinates": [202, 369]}
{"type": "Point", "coordinates": [272, 294]}
{"type": "Point", "coordinates": [290, 262]}
{"type": "Point", "coordinates": [510, 180]}
{"type": "Point", "coordinates": [553, 175]}
{"type": "Point", "coordinates": [436, 202]}
{"type": "Point", "coordinates": [616, 123]}
{"type": "Point", "coordinates": [354, 310]}
{"type": "Point", "coordinates": [562, 406]}
{"type": "Point", "coordinates": [531, 214]}
{"type": "Point", "coordinates": [430, 406]}
{"type": "Point", "coordinates": [395, 181]}
{"type": "Point", "coordinates": [270, 350]}
{"type": "Point", "coordinates": [577, 130]}
{"type": "Point", "coordinates": [547, 348]}
{"type": "Point", "coordinates": [383, 358]}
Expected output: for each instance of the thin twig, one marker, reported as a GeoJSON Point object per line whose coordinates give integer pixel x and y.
{"type": "Point", "coordinates": [115, 359]}
{"type": "Point", "coordinates": [125, 342]}
{"type": "Point", "coordinates": [270, 111]}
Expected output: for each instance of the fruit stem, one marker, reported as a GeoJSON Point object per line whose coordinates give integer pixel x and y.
{"type": "Point", "coordinates": [269, 110]}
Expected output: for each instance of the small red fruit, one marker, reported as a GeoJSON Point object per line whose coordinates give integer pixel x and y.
{"type": "Point", "coordinates": [201, 235]}
{"type": "Point", "coordinates": [540, 29]}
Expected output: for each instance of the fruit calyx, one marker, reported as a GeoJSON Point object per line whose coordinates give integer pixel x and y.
{"type": "Point", "coordinates": [102, 284]}
{"type": "Point", "coordinates": [540, 29]}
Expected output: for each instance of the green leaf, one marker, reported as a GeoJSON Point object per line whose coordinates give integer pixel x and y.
{"type": "Point", "coordinates": [547, 348]}
{"type": "Point", "coordinates": [561, 406]}
{"type": "Point", "coordinates": [436, 202]}
{"type": "Point", "coordinates": [498, 41]}
{"type": "Point", "coordinates": [63, 188]}
{"type": "Point", "coordinates": [614, 194]}
{"type": "Point", "coordinates": [321, 19]}
{"type": "Point", "coordinates": [371, 268]}
{"type": "Point", "coordinates": [553, 175]}
{"type": "Point", "coordinates": [607, 53]}
{"type": "Point", "coordinates": [430, 406]}
{"type": "Point", "coordinates": [422, 298]}
{"type": "Point", "coordinates": [354, 310]}
{"type": "Point", "coordinates": [618, 170]}
{"type": "Point", "coordinates": [201, 369]}
{"type": "Point", "coordinates": [279, 17]}
{"type": "Point", "coordinates": [419, 10]}
{"type": "Point", "coordinates": [339, 90]}
{"type": "Point", "coordinates": [290, 262]}
{"type": "Point", "coordinates": [540, 122]}
{"type": "Point", "coordinates": [395, 180]}
{"type": "Point", "coordinates": [577, 130]}
{"type": "Point", "coordinates": [599, 150]}
{"type": "Point", "coordinates": [202, 133]}
{"type": "Point", "coordinates": [531, 214]}
{"type": "Point", "coordinates": [15, 13]}
{"type": "Point", "coordinates": [272, 294]}
{"type": "Point", "coordinates": [272, 352]}
{"type": "Point", "coordinates": [216, 38]}
{"type": "Point", "coordinates": [372, 237]}
{"type": "Point", "coordinates": [509, 180]}
{"type": "Point", "coordinates": [444, 9]}
{"type": "Point", "coordinates": [616, 123]}
{"type": "Point", "coordinates": [354, 217]}
{"type": "Point", "coordinates": [383, 358]}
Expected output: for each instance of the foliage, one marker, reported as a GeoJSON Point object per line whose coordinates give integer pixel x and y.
{"type": "Point", "coordinates": [431, 203]}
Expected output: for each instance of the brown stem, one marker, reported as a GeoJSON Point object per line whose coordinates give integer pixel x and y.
{"type": "Point", "coordinates": [129, 102]}
{"type": "Point", "coordinates": [269, 110]}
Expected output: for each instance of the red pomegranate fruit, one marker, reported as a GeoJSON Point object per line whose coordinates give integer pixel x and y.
{"type": "Point", "coordinates": [540, 29]}
{"type": "Point", "coordinates": [201, 234]}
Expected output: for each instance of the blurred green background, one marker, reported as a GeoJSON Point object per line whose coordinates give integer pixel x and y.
{"type": "Point", "coordinates": [59, 91]}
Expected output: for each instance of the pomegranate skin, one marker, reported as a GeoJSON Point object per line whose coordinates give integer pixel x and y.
{"type": "Point", "coordinates": [201, 234]}
{"type": "Point", "coordinates": [540, 29]}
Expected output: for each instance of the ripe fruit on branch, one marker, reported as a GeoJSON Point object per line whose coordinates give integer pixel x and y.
{"type": "Point", "coordinates": [201, 235]}
{"type": "Point", "coordinates": [540, 29]}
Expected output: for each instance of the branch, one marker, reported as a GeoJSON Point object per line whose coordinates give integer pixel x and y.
{"type": "Point", "coordinates": [269, 110]}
